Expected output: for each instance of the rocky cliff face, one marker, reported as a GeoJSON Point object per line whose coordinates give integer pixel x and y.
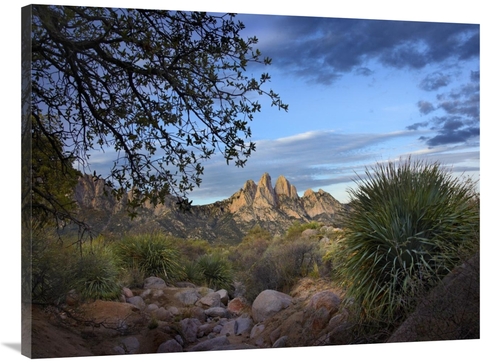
{"type": "Point", "coordinates": [273, 208]}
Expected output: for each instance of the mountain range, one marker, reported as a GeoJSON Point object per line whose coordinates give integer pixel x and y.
{"type": "Point", "coordinates": [274, 208]}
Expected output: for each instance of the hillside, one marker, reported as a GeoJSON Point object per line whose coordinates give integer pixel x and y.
{"type": "Point", "coordinates": [274, 208]}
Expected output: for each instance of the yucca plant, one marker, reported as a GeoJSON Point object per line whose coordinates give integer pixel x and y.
{"type": "Point", "coordinates": [215, 270]}
{"type": "Point", "coordinates": [408, 226]}
{"type": "Point", "coordinates": [96, 277]}
{"type": "Point", "coordinates": [152, 254]}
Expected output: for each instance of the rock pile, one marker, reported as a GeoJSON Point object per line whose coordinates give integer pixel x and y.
{"type": "Point", "coordinates": [161, 319]}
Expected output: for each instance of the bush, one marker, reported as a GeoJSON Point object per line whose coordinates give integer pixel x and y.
{"type": "Point", "coordinates": [282, 264]}
{"type": "Point", "coordinates": [295, 230]}
{"type": "Point", "coordinates": [95, 276]}
{"type": "Point", "coordinates": [409, 225]}
{"type": "Point", "coordinates": [47, 275]}
{"type": "Point", "coordinates": [60, 266]}
{"type": "Point", "coordinates": [151, 254]}
{"type": "Point", "coordinates": [215, 271]}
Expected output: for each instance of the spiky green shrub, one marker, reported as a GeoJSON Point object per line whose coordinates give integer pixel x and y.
{"type": "Point", "coordinates": [410, 223]}
{"type": "Point", "coordinates": [193, 273]}
{"type": "Point", "coordinates": [151, 254]}
{"type": "Point", "coordinates": [215, 270]}
{"type": "Point", "coordinates": [95, 276]}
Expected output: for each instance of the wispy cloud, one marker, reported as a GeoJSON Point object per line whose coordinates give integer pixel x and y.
{"type": "Point", "coordinates": [309, 160]}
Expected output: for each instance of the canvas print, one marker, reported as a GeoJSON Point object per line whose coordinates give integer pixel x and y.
{"type": "Point", "coordinates": [197, 181]}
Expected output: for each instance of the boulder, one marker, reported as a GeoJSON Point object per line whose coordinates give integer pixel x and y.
{"type": "Point", "coordinates": [449, 312]}
{"type": "Point", "coordinates": [137, 301]}
{"type": "Point", "coordinates": [169, 346]}
{"type": "Point", "coordinates": [268, 303]}
{"type": "Point", "coordinates": [211, 344]}
{"type": "Point", "coordinates": [224, 296]}
{"type": "Point", "coordinates": [162, 314]}
{"type": "Point", "coordinates": [151, 308]}
{"type": "Point", "coordinates": [130, 345]}
{"type": "Point", "coordinates": [321, 307]}
{"type": "Point", "coordinates": [188, 297]}
{"type": "Point", "coordinates": [216, 312]}
{"type": "Point", "coordinates": [210, 300]}
{"type": "Point", "coordinates": [281, 342]}
{"type": "Point", "coordinates": [238, 305]}
{"type": "Point", "coordinates": [228, 328]}
{"type": "Point", "coordinates": [189, 328]}
{"type": "Point", "coordinates": [243, 326]}
{"type": "Point", "coordinates": [309, 233]}
{"type": "Point", "coordinates": [256, 330]}
{"type": "Point", "coordinates": [154, 283]}
{"type": "Point", "coordinates": [206, 329]}
{"type": "Point", "coordinates": [127, 292]}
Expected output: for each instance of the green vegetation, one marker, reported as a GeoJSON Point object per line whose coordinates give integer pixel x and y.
{"type": "Point", "coordinates": [215, 271]}
{"type": "Point", "coordinates": [59, 267]}
{"type": "Point", "coordinates": [262, 262]}
{"type": "Point", "coordinates": [150, 254]}
{"type": "Point", "coordinates": [296, 229]}
{"type": "Point", "coordinates": [409, 225]}
{"type": "Point", "coordinates": [95, 276]}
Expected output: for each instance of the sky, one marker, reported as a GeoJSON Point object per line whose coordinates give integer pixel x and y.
{"type": "Point", "coordinates": [360, 91]}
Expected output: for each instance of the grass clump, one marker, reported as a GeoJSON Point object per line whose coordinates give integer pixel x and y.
{"type": "Point", "coordinates": [215, 271]}
{"type": "Point", "coordinates": [410, 223]}
{"type": "Point", "coordinates": [149, 254]}
{"type": "Point", "coordinates": [96, 277]}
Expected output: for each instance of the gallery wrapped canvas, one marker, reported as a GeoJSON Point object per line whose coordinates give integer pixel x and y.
{"type": "Point", "coordinates": [204, 181]}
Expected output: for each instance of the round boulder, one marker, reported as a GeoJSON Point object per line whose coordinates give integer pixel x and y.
{"type": "Point", "coordinates": [154, 283]}
{"type": "Point", "coordinates": [268, 303]}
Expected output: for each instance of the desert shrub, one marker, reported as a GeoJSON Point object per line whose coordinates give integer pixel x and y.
{"type": "Point", "coordinates": [60, 265]}
{"type": "Point", "coordinates": [95, 276]}
{"type": "Point", "coordinates": [49, 261]}
{"type": "Point", "coordinates": [410, 223]}
{"type": "Point", "coordinates": [295, 230]}
{"type": "Point", "coordinates": [191, 249]}
{"type": "Point", "coordinates": [250, 250]}
{"type": "Point", "coordinates": [151, 254]}
{"type": "Point", "coordinates": [282, 264]}
{"type": "Point", "coordinates": [215, 271]}
{"type": "Point", "coordinates": [192, 272]}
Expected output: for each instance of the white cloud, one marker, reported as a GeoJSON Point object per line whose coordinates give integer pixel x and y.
{"type": "Point", "coordinates": [319, 159]}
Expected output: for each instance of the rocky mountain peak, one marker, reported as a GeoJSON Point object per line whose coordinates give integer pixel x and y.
{"type": "Point", "coordinates": [265, 196]}
{"type": "Point", "coordinates": [273, 208]}
{"type": "Point", "coordinates": [283, 188]}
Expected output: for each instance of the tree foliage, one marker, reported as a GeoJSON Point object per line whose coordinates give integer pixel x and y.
{"type": "Point", "coordinates": [53, 178]}
{"type": "Point", "coordinates": [164, 90]}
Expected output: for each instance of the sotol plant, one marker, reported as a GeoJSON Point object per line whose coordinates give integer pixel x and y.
{"type": "Point", "coordinates": [410, 224]}
{"type": "Point", "coordinates": [151, 254]}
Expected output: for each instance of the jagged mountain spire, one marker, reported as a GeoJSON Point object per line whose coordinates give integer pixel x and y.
{"type": "Point", "coordinates": [227, 221]}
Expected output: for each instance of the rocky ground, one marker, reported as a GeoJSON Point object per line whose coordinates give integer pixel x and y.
{"type": "Point", "coordinates": [162, 319]}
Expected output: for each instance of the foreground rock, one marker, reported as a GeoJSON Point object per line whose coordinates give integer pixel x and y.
{"type": "Point", "coordinates": [268, 303]}
{"type": "Point", "coordinates": [449, 312]}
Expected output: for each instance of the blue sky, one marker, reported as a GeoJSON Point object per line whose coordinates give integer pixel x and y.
{"type": "Point", "coordinates": [360, 92]}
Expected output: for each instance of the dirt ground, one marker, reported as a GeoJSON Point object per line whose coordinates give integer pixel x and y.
{"type": "Point", "coordinates": [93, 329]}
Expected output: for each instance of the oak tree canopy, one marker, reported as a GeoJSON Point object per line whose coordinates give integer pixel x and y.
{"type": "Point", "coordinates": [165, 90]}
